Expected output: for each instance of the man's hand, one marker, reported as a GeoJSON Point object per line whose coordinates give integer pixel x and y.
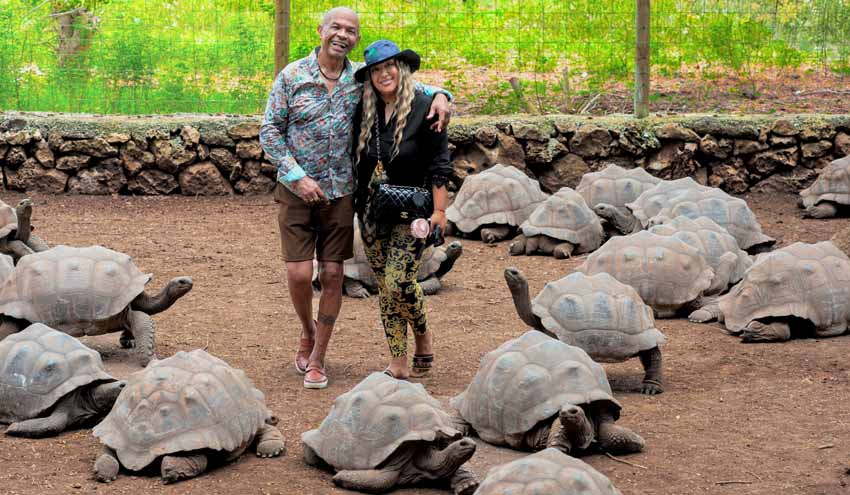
{"type": "Point", "coordinates": [440, 105]}
{"type": "Point", "coordinates": [309, 191]}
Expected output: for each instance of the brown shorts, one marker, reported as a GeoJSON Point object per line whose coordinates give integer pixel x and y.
{"type": "Point", "coordinates": [326, 230]}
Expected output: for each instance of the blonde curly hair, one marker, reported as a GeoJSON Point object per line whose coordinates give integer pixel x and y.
{"type": "Point", "coordinates": [401, 109]}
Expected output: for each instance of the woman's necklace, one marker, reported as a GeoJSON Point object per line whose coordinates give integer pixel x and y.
{"type": "Point", "coordinates": [327, 76]}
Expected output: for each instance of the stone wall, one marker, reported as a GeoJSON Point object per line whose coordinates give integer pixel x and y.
{"type": "Point", "coordinates": [217, 155]}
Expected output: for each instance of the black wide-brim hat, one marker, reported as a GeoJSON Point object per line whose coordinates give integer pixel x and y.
{"type": "Point", "coordinates": [383, 50]}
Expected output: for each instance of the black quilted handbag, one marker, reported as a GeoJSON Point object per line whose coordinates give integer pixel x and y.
{"type": "Point", "coordinates": [392, 204]}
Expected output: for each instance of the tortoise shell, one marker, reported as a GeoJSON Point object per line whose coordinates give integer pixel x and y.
{"type": "Point", "coordinates": [8, 219]}
{"type": "Point", "coordinates": [565, 216]}
{"type": "Point", "coordinates": [615, 185]}
{"type": "Point", "coordinates": [832, 184]}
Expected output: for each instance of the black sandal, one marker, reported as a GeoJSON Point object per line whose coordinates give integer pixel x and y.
{"type": "Point", "coordinates": [389, 373]}
{"type": "Point", "coordinates": [422, 364]}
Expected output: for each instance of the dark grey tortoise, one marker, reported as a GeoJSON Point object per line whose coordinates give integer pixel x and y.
{"type": "Point", "coordinates": [385, 433]}
{"type": "Point", "coordinates": [189, 411]}
{"type": "Point", "coordinates": [603, 316]}
{"type": "Point", "coordinates": [535, 392]}
{"type": "Point", "coordinates": [86, 291]}
{"type": "Point", "coordinates": [16, 237]}
{"type": "Point", "coordinates": [548, 472]}
{"type": "Point", "coordinates": [50, 382]}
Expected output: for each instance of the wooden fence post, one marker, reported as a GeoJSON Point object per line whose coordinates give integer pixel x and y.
{"type": "Point", "coordinates": [641, 58]}
{"type": "Point", "coordinates": [281, 35]}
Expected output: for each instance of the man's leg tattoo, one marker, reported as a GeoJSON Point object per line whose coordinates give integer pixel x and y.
{"type": "Point", "coordinates": [327, 320]}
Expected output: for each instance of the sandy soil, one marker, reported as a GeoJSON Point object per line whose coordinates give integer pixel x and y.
{"type": "Point", "coordinates": [736, 418]}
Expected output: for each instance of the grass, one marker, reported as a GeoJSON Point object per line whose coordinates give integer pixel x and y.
{"type": "Point", "coordinates": [157, 56]}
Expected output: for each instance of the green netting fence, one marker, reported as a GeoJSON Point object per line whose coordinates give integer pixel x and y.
{"type": "Point", "coordinates": [211, 56]}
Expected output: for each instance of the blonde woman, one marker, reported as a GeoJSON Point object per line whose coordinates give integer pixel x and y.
{"type": "Point", "coordinates": [391, 127]}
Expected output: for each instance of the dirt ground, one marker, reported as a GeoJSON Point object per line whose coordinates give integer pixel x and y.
{"type": "Point", "coordinates": [735, 418]}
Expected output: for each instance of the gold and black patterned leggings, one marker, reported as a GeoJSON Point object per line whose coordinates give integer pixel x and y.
{"type": "Point", "coordinates": [395, 261]}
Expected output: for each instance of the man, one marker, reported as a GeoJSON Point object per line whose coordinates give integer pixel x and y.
{"type": "Point", "coordinates": [307, 133]}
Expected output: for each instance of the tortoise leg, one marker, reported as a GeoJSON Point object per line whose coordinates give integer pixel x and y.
{"type": "Point", "coordinates": [489, 235]}
{"type": "Point", "coordinates": [709, 312]}
{"type": "Point", "coordinates": [430, 286]}
{"type": "Point", "coordinates": [460, 424]}
{"type": "Point", "coordinates": [367, 480]}
{"type": "Point", "coordinates": [175, 468]}
{"type": "Point", "coordinates": [557, 439]}
{"type": "Point", "coordinates": [464, 481]}
{"type": "Point", "coordinates": [40, 427]}
{"type": "Point", "coordinates": [126, 340]}
{"type": "Point", "coordinates": [355, 289]}
{"type": "Point", "coordinates": [106, 466]}
{"type": "Point", "coordinates": [144, 333]}
{"type": "Point", "coordinates": [533, 245]}
{"type": "Point", "coordinates": [826, 209]}
{"type": "Point", "coordinates": [310, 455]}
{"type": "Point", "coordinates": [757, 331]}
{"type": "Point", "coordinates": [270, 443]}
{"type": "Point", "coordinates": [18, 249]}
{"type": "Point", "coordinates": [518, 246]}
{"type": "Point", "coordinates": [651, 361]}
{"type": "Point", "coordinates": [563, 250]}
{"type": "Point", "coordinates": [617, 439]}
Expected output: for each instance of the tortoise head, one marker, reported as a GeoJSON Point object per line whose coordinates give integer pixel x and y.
{"type": "Point", "coordinates": [179, 287]}
{"type": "Point", "coordinates": [622, 222]}
{"type": "Point", "coordinates": [454, 250]}
{"type": "Point", "coordinates": [104, 395]}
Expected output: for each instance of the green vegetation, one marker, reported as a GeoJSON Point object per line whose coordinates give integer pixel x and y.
{"type": "Point", "coordinates": [216, 56]}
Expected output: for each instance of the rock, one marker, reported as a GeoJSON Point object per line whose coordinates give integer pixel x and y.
{"type": "Point", "coordinates": [591, 141]}
{"type": "Point", "coordinates": [204, 179]}
{"type": "Point", "coordinates": [18, 138]}
{"type": "Point", "coordinates": [701, 176]}
{"type": "Point", "coordinates": [154, 134]}
{"type": "Point", "coordinates": [842, 144]}
{"type": "Point", "coordinates": [216, 138]}
{"type": "Point", "coordinates": [816, 149]}
{"type": "Point", "coordinates": [107, 177]}
{"type": "Point", "coordinates": [541, 153]}
{"type": "Point", "coordinates": [162, 150]}
{"type": "Point", "coordinates": [732, 178]}
{"type": "Point", "coordinates": [42, 153]}
{"type": "Point", "coordinates": [79, 134]}
{"type": "Point", "coordinates": [16, 156]}
{"type": "Point", "coordinates": [152, 182]}
{"type": "Point", "coordinates": [817, 131]}
{"type": "Point", "coordinates": [96, 147]}
{"type": "Point", "coordinates": [818, 163]}
{"type": "Point", "coordinates": [782, 141]}
{"type": "Point", "coordinates": [251, 169]}
{"type": "Point", "coordinates": [507, 152]}
{"type": "Point", "coordinates": [244, 130]}
{"type": "Point", "coordinates": [203, 152]}
{"type": "Point", "coordinates": [3, 149]}
{"type": "Point", "coordinates": [675, 132]}
{"type": "Point", "coordinates": [72, 163]}
{"type": "Point", "coordinates": [537, 131]}
{"type": "Point", "coordinates": [724, 126]}
{"type": "Point", "coordinates": [116, 138]}
{"type": "Point", "coordinates": [190, 136]}
{"type": "Point", "coordinates": [256, 185]}
{"type": "Point", "coordinates": [716, 148]}
{"type": "Point", "coordinates": [464, 168]}
{"type": "Point", "coordinates": [565, 127]}
{"type": "Point", "coordinates": [54, 140]}
{"type": "Point", "coordinates": [486, 135]}
{"type": "Point", "coordinates": [229, 165]}
{"type": "Point", "coordinates": [674, 161]}
{"type": "Point", "coordinates": [637, 142]}
{"type": "Point", "coordinates": [786, 182]}
{"type": "Point", "coordinates": [766, 162]}
{"type": "Point", "coordinates": [135, 158]}
{"type": "Point", "coordinates": [783, 127]}
{"type": "Point", "coordinates": [268, 170]}
{"type": "Point", "coordinates": [462, 134]}
{"type": "Point", "coordinates": [32, 177]}
{"type": "Point", "coordinates": [748, 147]}
{"type": "Point", "coordinates": [249, 150]}
{"type": "Point", "coordinates": [182, 156]}
{"type": "Point", "coordinates": [566, 171]}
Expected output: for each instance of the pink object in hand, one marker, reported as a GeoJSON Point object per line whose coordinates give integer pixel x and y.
{"type": "Point", "coordinates": [420, 228]}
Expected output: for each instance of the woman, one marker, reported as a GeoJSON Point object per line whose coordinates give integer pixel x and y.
{"type": "Point", "coordinates": [391, 127]}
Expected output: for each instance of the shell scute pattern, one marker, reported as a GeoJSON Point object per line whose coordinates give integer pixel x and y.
{"type": "Point", "coordinates": [527, 380]}
{"type": "Point", "coordinates": [652, 201]}
{"type": "Point", "coordinates": [598, 313]}
{"type": "Point", "coordinates": [189, 401]}
{"type": "Point", "coordinates": [713, 242]}
{"type": "Point", "coordinates": [565, 216]}
{"type": "Point", "coordinates": [367, 424]}
{"type": "Point", "coordinates": [666, 272]}
{"type": "Point", "coordinates": [39, 366]}
{"type": "Point", "coordinates": [549, 472]}
{"type": "Point", "coordinates": [8, 219]}
{"type": "Point", "coordinates": [615, 185]}
{"type": "Point", "coordinates": [64, 286]}
{"type": "Point", "coordinates": [832, 184]}
{"type": "Point", "coordinates": [809, 281]}
{"type": "Point", "coordinates": [499, 195]}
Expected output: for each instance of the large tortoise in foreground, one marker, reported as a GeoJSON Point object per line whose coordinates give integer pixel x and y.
{"type": "Point", "coordinates": [385, 433]}
{"type": "Point", "coordinates": [548, 472]}
{"type": "Point", "coordinates": [51, 382]}
{"type": "Point", "coordinates": [802, 287]}
{"type": "Point", "coordinates": [535, 392]}
{"type": "Point", "coordinates": [597, 313]}
{"type": "Point", "coordinates": [86, 291]}
{"type": "Point", "coordinates": [494, 202]}
{"type": "Point", "coordinates": [190, 411]}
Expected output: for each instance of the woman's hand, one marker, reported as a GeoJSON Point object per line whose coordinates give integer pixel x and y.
{"type": "Point", "coordinates": [438, 218]}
